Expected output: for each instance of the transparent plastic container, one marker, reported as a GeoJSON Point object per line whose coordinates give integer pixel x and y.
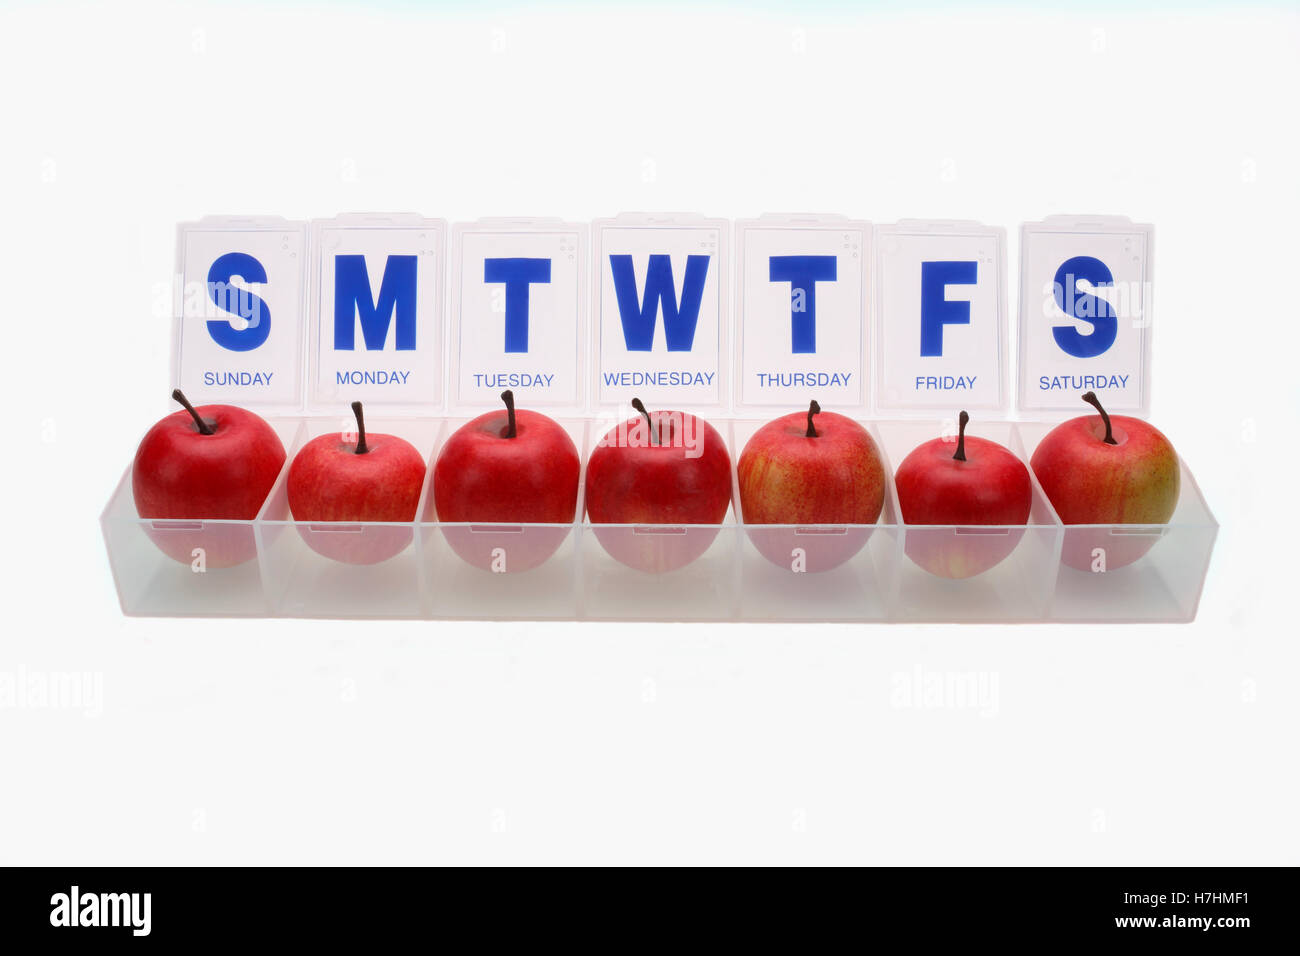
{"type": "Point", "coordinates": [660, 572]}
{"type": "Point", "coordinates": [173, 568]}
{"type": "Point", "coordinates": [834, 572]}
{"type": "Point", "coordinates": [1017, 560]}
{"type": "Point", "coordinates": [731, 571]}
{"type": "Point", "coordinates": [1151, 572]}
{"type": "Point", "coordinates": [523, 571]}
{"type": "Point", "coordinates": [344, 569]}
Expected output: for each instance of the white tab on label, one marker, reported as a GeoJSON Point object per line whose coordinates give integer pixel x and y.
{"type": "Point", "coordinates": [660, 302]}
{"type": "Point", "coordinates": [801, 308]}
{"type": "Point", "coordinates": [376, 329]}
{"type": "Point", "coordinates": [519, 313]}
{"type": "Point", "coordinates": [941, 316]}
{"type": "Point", "coordinates": [1085, 313]}
{"type": "Point", "coordinates": [238, 320]}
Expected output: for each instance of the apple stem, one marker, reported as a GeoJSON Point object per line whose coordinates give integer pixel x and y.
{"type": "Point", "coordinates": [361, 429]}
{"type": "Point", "coordinates": [650, 426]}
{"type": "Point", "coordinates": [509, 398]}
{"type": "Point", "coordinates": [960, 453]}
{"type": "Point", "coordinates": [813, 409]}
{"type": "Point", "coordinates": [203, 427]}
{"type": "Point", "coordinates": [1092, 399]}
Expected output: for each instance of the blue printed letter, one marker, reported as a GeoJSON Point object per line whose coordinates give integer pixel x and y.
{"type": "Point", "coordinates": [517, 274]}
{"type": "Point", "coordinates": [352, 301]}
{"type": "Point", "coordinates": [638, 317]}
{"type": "Point", "coordinates": [936, 310]}
{"type": "Point", "coordinates": [1084, 306]}
{"type": "Point", "coordinates": [238, 302]}
{"type": "Point", "coordinates": [803, 273]}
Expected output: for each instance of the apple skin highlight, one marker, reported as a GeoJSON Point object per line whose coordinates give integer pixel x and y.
{"type": "Point", "coordinates": [787, 477]}
{"type": "Point", "coordinates": [1089, 482]}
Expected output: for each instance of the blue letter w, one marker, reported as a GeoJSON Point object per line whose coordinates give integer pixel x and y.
{"type": "Point", "coordinates": [639, 316]}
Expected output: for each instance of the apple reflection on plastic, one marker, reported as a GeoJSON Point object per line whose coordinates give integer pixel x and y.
{"type": "Point", "coordinates": [1106, 548]}
{"type": "Point", "coordinates": [656, 549]}
{"type": "Point", "coordinates": [958, 553]}
{"type": "Point", "coordinates": [218, 545]}
{"type": "Point", "coordinates": [352, 543]}
{"type": "Point", "coordinates": [508, 549]}
{"type": "Point", "coordinates": [814, 549]}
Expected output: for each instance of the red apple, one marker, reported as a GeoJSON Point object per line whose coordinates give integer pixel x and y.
{"type": "Point", "coordinates": [663, 469]}
{"type": "Point", "coordinates": [216, 462]}
{"type": "Point", "coordinates": [345, 494]}
{"type": "Point", "coordinates": [980, 483]}
{"type": "Point", "coordinates": [517, 467]}
{"type": "Point", "coordinates": [1107, 470]}
{"type": "Point", "coordinates": [794, 471]}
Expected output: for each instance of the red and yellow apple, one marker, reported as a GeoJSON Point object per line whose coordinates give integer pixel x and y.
{"type": "Point", "coordinates": [819, 472]}
{"type": "Point", "coordinates": [1104, 470]}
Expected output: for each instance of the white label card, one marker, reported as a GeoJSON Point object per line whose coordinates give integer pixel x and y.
{"type": "Point", "coordinates": [377, 332]}
{"type": "Point", "coordinates": [659, 326]}
{"type": "Point", "coordinates": [941, 318]}
{"type": "Point", "coordinates": [801, 314]}
{"type": "Point", "coordinates": [520, 316]}
{"type": "Point", "coordinates": [240, 311]}
{"type": "Point", "coordinates": [1085, 316]}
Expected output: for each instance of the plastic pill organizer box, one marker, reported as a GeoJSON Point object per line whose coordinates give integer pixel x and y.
{"type": "Point", "coordinates": [897, 326]}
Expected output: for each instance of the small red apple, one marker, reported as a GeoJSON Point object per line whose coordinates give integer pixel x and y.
{"type": "Point", "coordinates": [367, 483]}
{"type": "Point", "coordinates": [513, 467]}
{"type": "Point", "coordinates": [669, 468]}
{"type": "Point", "coordinates": [981, 483]}
{"type": "Point", "coordinates": [794, 471]}
{"type": "Point", "coordinates": [1107, 470]}
{"type": "Point", "coordinates": [215, 462]}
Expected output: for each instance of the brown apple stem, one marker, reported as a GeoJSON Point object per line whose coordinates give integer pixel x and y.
{"type": "Point", "coordinates": [1092, 399]}
{"type": "Point", "coordinates": [650, 426]}
{"type": "Point", "coordinates": [203, 427]}
{"type": "Point", "coordinates": [960, 453]}
{"type": "Point", "coordinates": [813, 409]}
{"type": "Point", "coordinates": [361, 429]}
{"type": "Point", "coordinates": [509, 398]}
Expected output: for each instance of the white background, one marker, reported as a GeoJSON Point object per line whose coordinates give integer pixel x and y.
{"type": "Point", "coordinates": [341, 742]}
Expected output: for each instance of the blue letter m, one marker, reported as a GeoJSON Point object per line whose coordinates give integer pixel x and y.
{"type": "Point", "coordinates": [353, 302]}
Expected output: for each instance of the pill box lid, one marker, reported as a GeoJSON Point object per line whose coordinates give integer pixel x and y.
{"type": "Point", "coordinates": [939, 320]}
{"type": "Point", "coordinates": [518, 315]}
{"type": "Point", "coordinates": [238, 310]}
{"type": "Point", "coordinates": [660, 324]}
{"type": "Point", "coordinates": [1085, 315]}
{"type": "Point", "coordinates": [801, 317]}
{"type": "Point", "coordinates": [375, 314]}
